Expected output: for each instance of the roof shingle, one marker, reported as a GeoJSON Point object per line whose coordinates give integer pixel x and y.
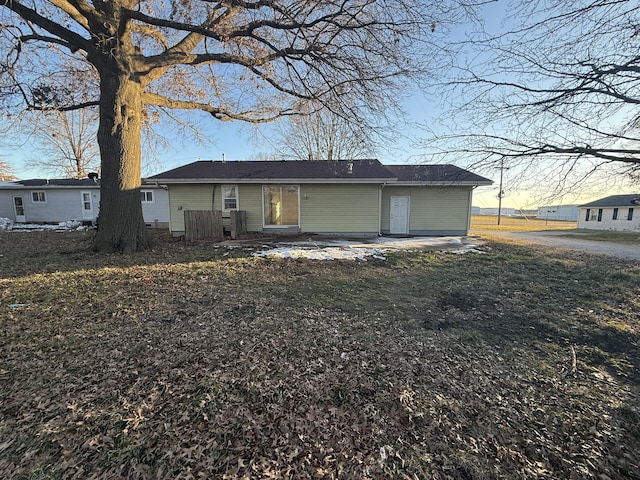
{"type": "Point", "coordinates": [281, 170]}
{"type": "Point", "coordinates": [324, 170]}
{"type": "Point", "coordinates": [615, 201]}
{"type": "Point", "coordinates": [435, 173]}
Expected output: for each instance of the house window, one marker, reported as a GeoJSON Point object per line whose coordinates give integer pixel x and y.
{"type": "Point", "coordinates": [146, 196]}
{"type": "Point", "coordinates": [630, 214]}
{"type": "Point", "coordinates": [599, 214]}
{"type": "Point", "coordinates": [615, 214]}
{"type": "Point", "coordinates": [586, 218]}
{"type": "Point", "coordinates": [594, 215]}
{"type": "Point", "coordinates": [281, 205]}
{"type": "Point", "coordinates": [38, 197]}
{"type": "Point", "coordinates": [229, 197]}
{"type": "Point", "coordinates": [86, 201]}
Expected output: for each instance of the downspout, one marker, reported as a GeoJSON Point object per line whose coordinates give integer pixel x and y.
{"type": "Point", "coordinates": [380, 209]}
{"type": "Point", "coordinates": [469, 207]}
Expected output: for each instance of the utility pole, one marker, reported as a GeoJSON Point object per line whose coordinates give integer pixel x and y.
{"type": "Point", "coordinates": [501, 191]}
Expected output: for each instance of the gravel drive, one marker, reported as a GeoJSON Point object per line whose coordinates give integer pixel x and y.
{"type": "Point", "coordinates": [557, 240]}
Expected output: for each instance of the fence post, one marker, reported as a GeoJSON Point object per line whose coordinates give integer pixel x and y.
{"type": "Point", "coordinates": [238, 223]}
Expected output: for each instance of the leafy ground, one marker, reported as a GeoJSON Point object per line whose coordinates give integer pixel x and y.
{"type": "Point", "coordinates": [203, 362]}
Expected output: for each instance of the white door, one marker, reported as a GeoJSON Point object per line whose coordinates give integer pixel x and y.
{"type": "Point", "coordinates": [87, 206]}
{"type": "Point", "coordinates": [399, 215]}
{"type": "Point", "coordinates": [18, 208]}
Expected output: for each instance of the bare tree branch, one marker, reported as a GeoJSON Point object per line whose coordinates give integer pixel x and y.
{"type": "Point", "coordinates": [244, 60]}
{"type": "Point", "coordinates": [217, 112]}
{"type": "Point", "coordinates": [558, 91]}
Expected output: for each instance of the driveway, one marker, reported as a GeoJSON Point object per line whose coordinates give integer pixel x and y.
{"type": "Point", "coordinates": [556, 239]}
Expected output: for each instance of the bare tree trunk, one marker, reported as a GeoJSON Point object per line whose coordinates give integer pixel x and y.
{"type": "Point", "coordinates": [121, 226]}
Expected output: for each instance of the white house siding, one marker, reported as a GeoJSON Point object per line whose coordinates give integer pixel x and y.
{"type": "Point", "coordinates": [65, 203]}
{"type": "Point", "coordinates": [339, 209]}
{"type": "Point", "coordinates": [62, 204]}
{"type": "Point", "coordinates": [156, 213]}
{"type": "Point", "coordinates": [607, 222]}
{"type": "Point", "coordinates": [6, 205]}
{"type": "Point", "coordinates": [432, 210]}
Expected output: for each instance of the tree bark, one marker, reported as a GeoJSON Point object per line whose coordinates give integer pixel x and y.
{"type": "Point", "coordinates": [121, 226]}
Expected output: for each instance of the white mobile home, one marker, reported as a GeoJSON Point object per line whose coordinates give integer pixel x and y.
{"type": "Point", "coordinates": [60, 200]}
{"type": "Point", "coordinates": [617, 212]}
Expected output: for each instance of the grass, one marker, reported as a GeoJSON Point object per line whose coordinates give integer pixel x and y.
{"type": "Point", "coordinates": [203, 362]}
{"type": "Point", "coordinates": [518, 224]}
{"type": "Point", "coordinates": [484, 223]}
{"type": "Point", "coordinates": [627, 238]}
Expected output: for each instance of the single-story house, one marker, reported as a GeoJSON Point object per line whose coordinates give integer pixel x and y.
{"type": "Point", "coordinates": [60, 200]}
{"type": "Point", "coordinates": [616, 212]}
{"type": "Point", "coordinates": [568, 213]}
{"type": "Point", "coordinates": [335, 197]}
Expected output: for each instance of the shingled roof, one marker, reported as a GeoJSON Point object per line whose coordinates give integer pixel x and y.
{"type": "Point", "coordinates": [615, 201]}
{"type": "Point", "coordinates": [247, 171]}
{"type": "Point", "coordinates": [60, 183]}
{"type": "Point", "coordinates": [55, 182]}
{"type": "Point", "coordinates": [436, 174]}
{"type": "Point", "coordinates": [319, 171]}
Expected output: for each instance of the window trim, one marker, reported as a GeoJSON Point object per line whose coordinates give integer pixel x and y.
{"type": "Point", "coordinates": [237, 197]}
{"type": "Point", "coordinates": [86, 202]}
{"type": "Point", "coordinates": [264, 216]}
{"type": "Point", "coordinates": [41, 194]}
{"type": "Point", "coordinates": [145, 192]}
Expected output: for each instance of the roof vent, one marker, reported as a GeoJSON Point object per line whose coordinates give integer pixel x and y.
{"type": "Point", "coordinates": [93, 176]}
{"type": "Point", "coordinates": [350, 168]}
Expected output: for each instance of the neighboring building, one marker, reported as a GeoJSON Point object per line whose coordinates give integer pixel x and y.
{"type": "Point", "coordinates": [567, 213]}
{"type": "Point", "coordinates": [60, 200]}
{"type": "Point", "coordinates": [504, 211]}
{"type": "Point", "coordinates": [617, 212]}
{"type": "Point", "coordinates": [344, 197]}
